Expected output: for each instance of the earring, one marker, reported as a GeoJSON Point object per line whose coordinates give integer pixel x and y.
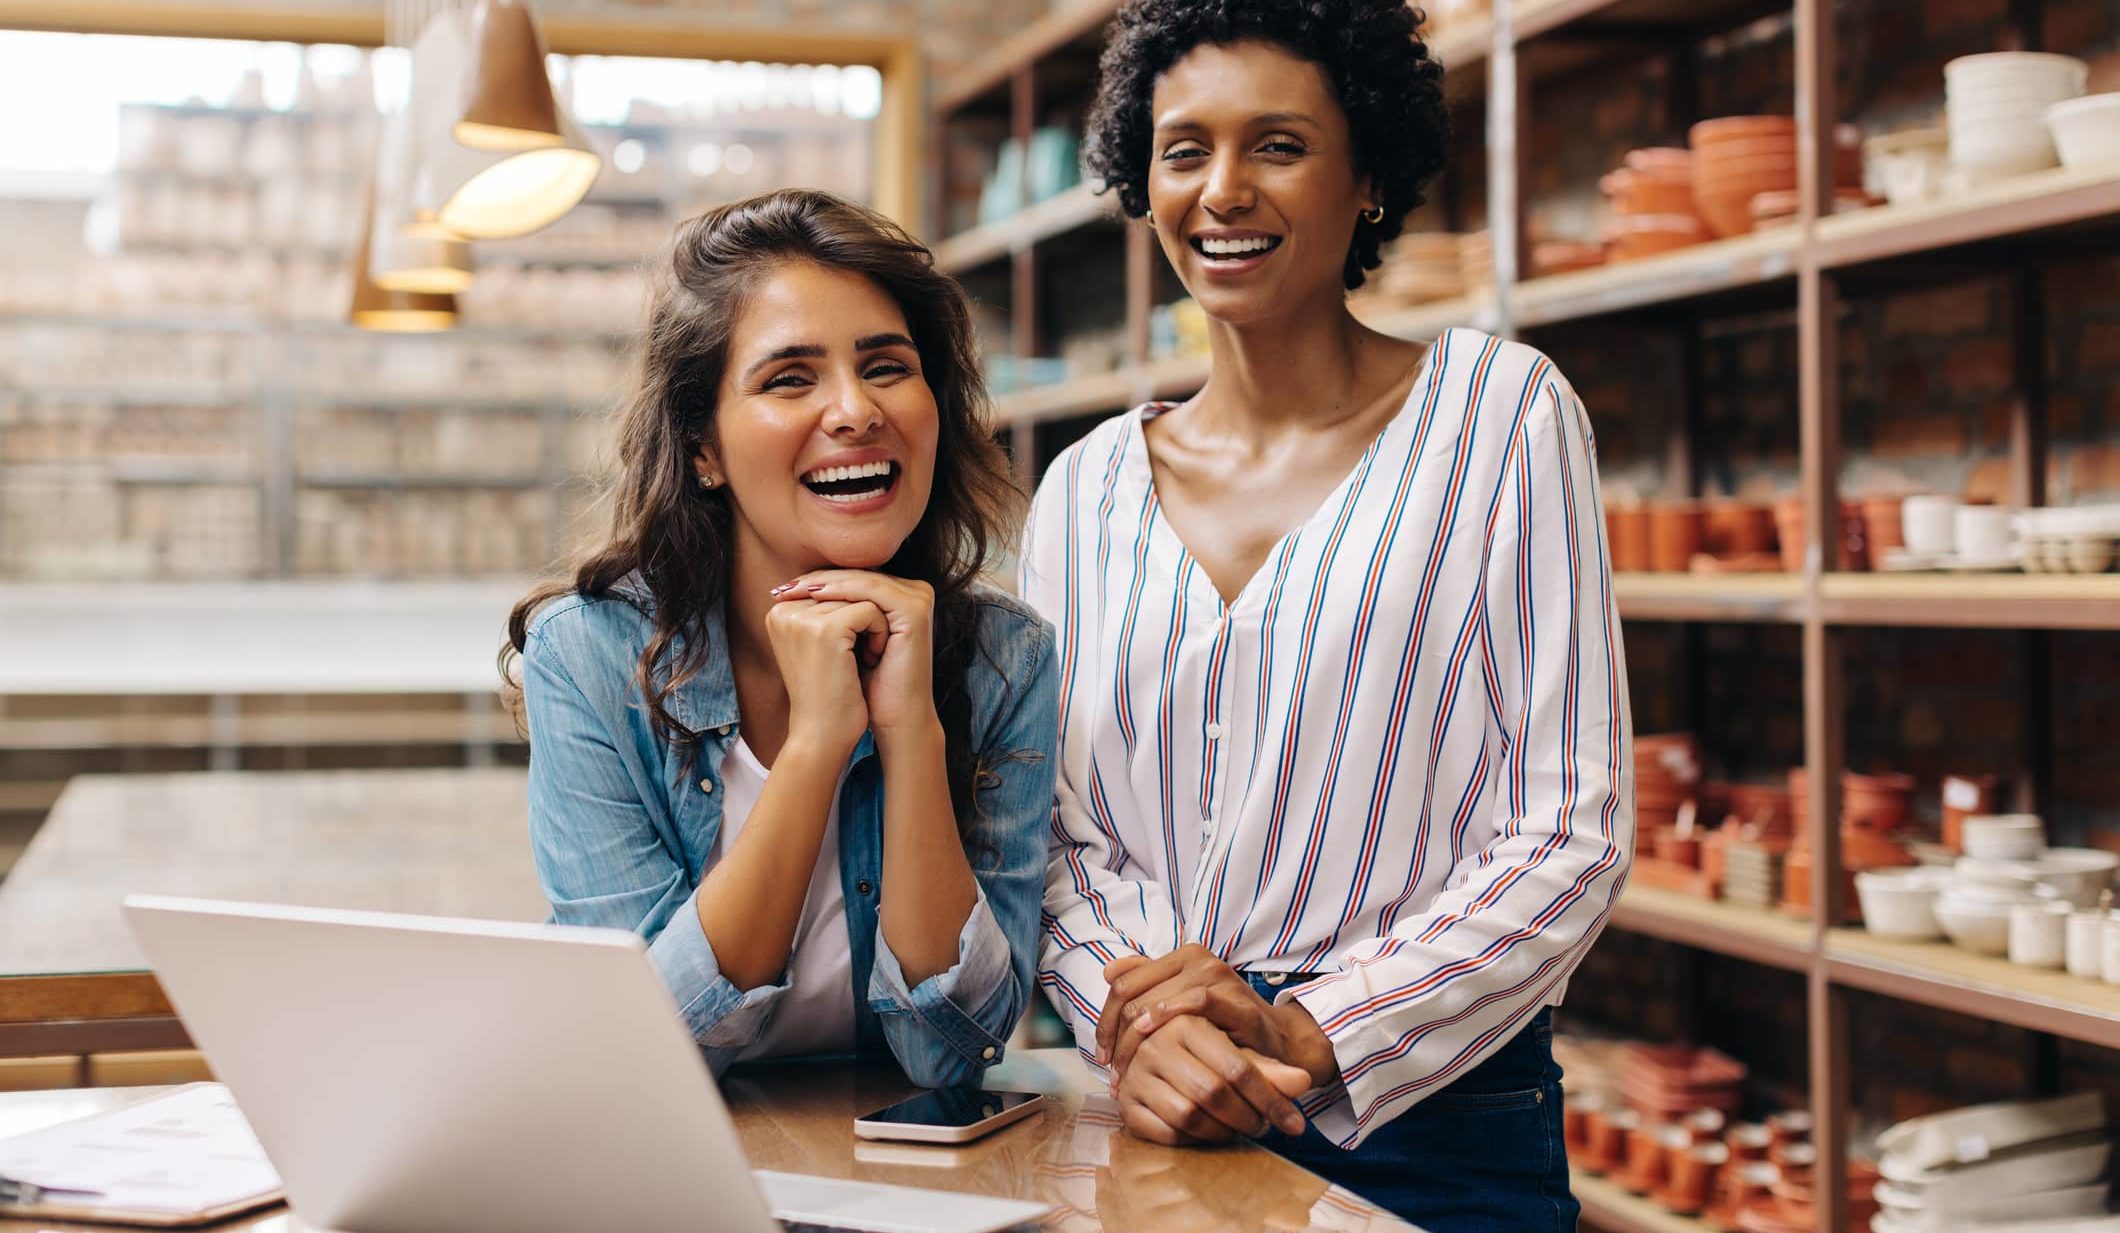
{"type": "Point", "coordinates": [1373, 215]}
{"type": "Point", "coordinates": [1150, 215]}
{"type": "Point", "coordinates": [709, 481]}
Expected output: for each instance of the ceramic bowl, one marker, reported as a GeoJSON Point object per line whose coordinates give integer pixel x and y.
{"type": "Point", "coordinates": [2005, 836]}
{"type": "Point", "coordinates": [1980, 927]}
{"type": "Point", "coordinates": [2090, 554]}
{"type": "Point", "coordinates": [1909, 1212]}
{"type": "Point", "coordinates": [1732, 128]}
{"type": "Point", "coordinates": [2086, 130]}
{"type": "Point", "coordinates": [1899, 903]}
{"type": "Point", "coordinates": [2051, 1164]}
{"type": "Point", "coordinates": [2078, 875]}
{"type": "Point", "coordinates": [2015, 67]}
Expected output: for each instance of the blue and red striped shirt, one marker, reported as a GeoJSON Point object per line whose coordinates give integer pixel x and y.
{"type": "Point", "coordinates": [1401, 756]}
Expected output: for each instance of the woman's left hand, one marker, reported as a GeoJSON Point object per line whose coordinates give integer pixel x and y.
{"type": "Point", "coordinates": [1146, 994]}
{"type": "Point", "coordinates": [897, 671]}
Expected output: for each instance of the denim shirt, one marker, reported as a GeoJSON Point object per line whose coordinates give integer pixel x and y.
{"type": "Point", "coordinates": [621, 824]}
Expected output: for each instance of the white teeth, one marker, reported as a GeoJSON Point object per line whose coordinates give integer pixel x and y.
{"type": "Point", "coordinates": [1234, 248]}
{"type": "Point", "coordinates": [826, 475]}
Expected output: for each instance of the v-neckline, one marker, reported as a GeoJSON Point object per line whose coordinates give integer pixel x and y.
{"type": "Point", "coordinates": [1184, 564]}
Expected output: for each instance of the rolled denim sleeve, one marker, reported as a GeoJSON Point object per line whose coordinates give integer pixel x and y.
{"type": "Point", "coordinates": [603, 862]}
{"type": "Point", "coordinates": [950, 1027]}
{"type": "Point", "coordinates": [955, 1005]}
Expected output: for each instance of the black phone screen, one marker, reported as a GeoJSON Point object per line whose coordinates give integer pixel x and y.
{"type": "Point", "coordinates": [950, 1106]}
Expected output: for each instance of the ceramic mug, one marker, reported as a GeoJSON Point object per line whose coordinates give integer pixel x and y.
{"type": "Point", "coordinates": [2038, 934]}
{"type": "Point", "coordinates": [1984, 532]}
{"type": "Point", "coordinates": [1929, 524]}
{"type": "Point", "coordinates": [2110, 953]}
{"type": "Point", "coordinates": [2084, 948]}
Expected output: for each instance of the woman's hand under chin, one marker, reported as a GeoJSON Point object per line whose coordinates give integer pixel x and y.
{"type": "Point", "coordinates": [817, 644]}
{"type": "Point", "coordinates": [895, 657]}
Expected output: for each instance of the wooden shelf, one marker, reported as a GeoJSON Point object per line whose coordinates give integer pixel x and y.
{"type": "Point", "coordinates": [1982, 601]}
{"type": "Point", "coordinates": [1752, 598]}
{"type": "Point", "coordinates": [1944, 976]}
{"type": "Point", "coordinates": [1689, 273]}
{"type": "Point", "coordinates": [1055, 216]}
{"type": "Point", "coordinates": [1723, 928]}
{"type": "Point", "coordinates": [1066, 24]}
{"type": "Point", "coordinates": [1607, 1207]}
{"type": "Point", "coordinates": [2014, 207]}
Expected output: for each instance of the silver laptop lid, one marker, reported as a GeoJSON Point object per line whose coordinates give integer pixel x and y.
{"type": "Point", "coordinates": [410, 1073]}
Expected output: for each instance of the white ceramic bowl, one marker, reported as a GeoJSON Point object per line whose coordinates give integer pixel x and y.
{"type": "Point", "coordinates": [2053, 1164]}
{"type": "Point", "coordinates": [2078, 875]}
{"type": "Point", "coordinates": [1910, 1212]}
{"type": "Point", "coordinates": [2086, 130]}
{"type": "Point", "coordinates": [1899, 903]}
{"type": "Point", "coordinates": [2016, 66]}
{"type": "Point", "coordinates": [1975, 925]}
{"type": "Point", "coordinates": [2004, 836]}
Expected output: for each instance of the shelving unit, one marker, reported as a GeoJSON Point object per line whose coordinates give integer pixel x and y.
{"type": "Point", "coordinates": [1800, 272]}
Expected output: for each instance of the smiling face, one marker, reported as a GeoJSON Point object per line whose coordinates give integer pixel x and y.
{"type": "Point", "coordinates": [1252, 180]}
{"type": "Point", "coordinates": [824, 427]}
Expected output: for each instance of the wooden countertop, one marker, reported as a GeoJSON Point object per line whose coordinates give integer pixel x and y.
{"type": "Point", "coordinates": [440, 842]}
{"type": "Point", "coordinates": [1075, 1156]}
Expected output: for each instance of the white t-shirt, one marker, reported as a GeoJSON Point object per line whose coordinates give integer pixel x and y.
{"type": "Point", "coordinates": [816, 1014]}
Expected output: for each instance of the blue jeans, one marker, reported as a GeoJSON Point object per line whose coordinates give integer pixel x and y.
{"type": "Point", "coordinates": [1483, 1155]}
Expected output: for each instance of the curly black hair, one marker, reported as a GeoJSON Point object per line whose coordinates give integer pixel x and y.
{"type": "Point", "coordinates": [1389, 86]}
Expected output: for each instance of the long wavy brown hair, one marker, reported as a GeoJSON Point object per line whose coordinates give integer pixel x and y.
{"type": "Point", "coordinates": [674, 539]}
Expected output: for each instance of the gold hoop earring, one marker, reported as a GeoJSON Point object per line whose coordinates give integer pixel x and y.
{"type": "Point", "coordinates": [1373, 215]}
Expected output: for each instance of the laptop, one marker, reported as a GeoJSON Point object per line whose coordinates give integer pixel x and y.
{"type": "Point", "coordinates": [455, 1076]}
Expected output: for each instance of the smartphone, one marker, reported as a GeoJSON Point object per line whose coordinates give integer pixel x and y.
{"type": "Point", "coordinates": [948, 1115]}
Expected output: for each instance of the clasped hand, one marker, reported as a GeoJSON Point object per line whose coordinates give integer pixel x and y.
{"type": "Point", "coordinates": [855, 650]}
{"type": "Point", "coordinates": [1197, 1056]}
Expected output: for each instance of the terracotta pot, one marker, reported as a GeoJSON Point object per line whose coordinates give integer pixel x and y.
{"type": "Point", "coordinates": [1729, 528]}
{"type": "Point", "coordinates": [1788, 532]}
{"type": "Point", "coordinates": [1854, 539]}
{"type": "Point", "coordinates": [1630, 537]}
{"type": "Point", "coordinates": [1606, 1132]}
{"type": "Point", "coordinates": [1862, 850]}
{"type": "Point", "coordinates": [1647, 1159]}
{"type": "Point", "coordinates": [1564, 257]}
{"type": "Point", "coordinates": [1876, 802]}
{"type": "Point", "coordinates": [1635, 193]}
{"type": "Point", "coordinates": [1692, 1175]}
{"type": "Point", "coordinates": [1748, 1141]}
{"type": "Point", "coordinates": [1674, 535]}
{"type": "Point", "coordinates": [1740, 1187]}
{"type": "Point", "coordinates": [1790, 1126]}
{"type": "Point", "coordinates": [1678, 849]}
{"type": "Point", "coordinates": [1965, 796]}
{"type": "Point", "coordinates": [1664, 159]}
{"type": "Point", "coordinates": [1637, 236]}
{"type": "Point", "coordinates": [1710, 133]}
{"type": "Point", "coordinates": [1881, 524]}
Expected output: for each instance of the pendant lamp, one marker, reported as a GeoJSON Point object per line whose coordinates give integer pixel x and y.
{"type": "Point", "coordinates": [410, 251]}
{"type": "Point", "coordinates": [485, 194]}
{"type": "Point", "coordinates": [394, 312]}
{"type": "Point", "coordinates": [509, 104]}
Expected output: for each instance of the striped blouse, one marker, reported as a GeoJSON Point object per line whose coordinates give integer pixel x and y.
{"type": "Point", "coordinates": [1401, 757]}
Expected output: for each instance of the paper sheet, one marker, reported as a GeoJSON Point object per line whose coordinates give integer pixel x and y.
{"type": "Point", "coordinates": [188, 1151]}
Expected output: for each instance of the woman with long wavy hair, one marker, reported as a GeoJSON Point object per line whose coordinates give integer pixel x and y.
{"type": "Point", "coordinates": [777, 727]}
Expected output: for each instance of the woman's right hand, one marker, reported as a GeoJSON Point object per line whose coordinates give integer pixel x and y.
{"type": "Point", "coordinates": [817, 644]}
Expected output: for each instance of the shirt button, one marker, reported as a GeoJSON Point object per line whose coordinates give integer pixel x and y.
{"type": "Point", "coordinates": [987, 1054]}
{"type": "Point", "coordinates": [863, 886]}
{"type": "Point", "coordinates": [1214, 732]}
{"type": "Point", "coordinates": [706, 785]}
{"type": "Point", "coordinates": [1277, 978]}
{"type": "Point", "coordinates": [723, 730]}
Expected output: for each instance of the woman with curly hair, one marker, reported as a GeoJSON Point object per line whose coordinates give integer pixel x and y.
{"type": "Point", "coordinates": [1345, 788]}
{"type": "Point", "coordinates": [777, 727]}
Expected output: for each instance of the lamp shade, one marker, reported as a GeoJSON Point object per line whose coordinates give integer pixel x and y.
{"type": "Point", "coordinates": [397, 312]}
{"type": "Point", "coordinates": [509, 105]}
{"type": "Point", "coordinates": [408, 251]}
{"type": "Point", "coordinates": [485, 194]}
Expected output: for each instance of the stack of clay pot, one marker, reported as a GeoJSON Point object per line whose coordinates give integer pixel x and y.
{"type": "Point", "coordinates": [1739, 158]}
{"type": "Point", "coordinates": [1653, 210]}
{"type": "Point", "coordinates": [1875, 811]}
{"type": "Point", "coordinates": [1743, 857]}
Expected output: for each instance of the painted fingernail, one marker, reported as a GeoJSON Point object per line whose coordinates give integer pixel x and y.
{"type": "Point", "coordinates": [782, 589]}
{"type": "Point", "coordinates": [815, 587]}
